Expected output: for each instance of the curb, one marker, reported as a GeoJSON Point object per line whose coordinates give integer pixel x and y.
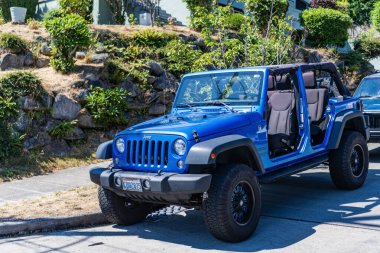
{"type": "Point", "coordinates": [50, 224]}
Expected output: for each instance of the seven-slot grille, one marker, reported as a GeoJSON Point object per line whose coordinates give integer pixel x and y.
{"type": "Point", "coordinates": [148, 153]}
{"type": "Point", "coordinates": [374, 121]}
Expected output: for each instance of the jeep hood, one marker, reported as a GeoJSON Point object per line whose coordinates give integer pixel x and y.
{"type": "Point", "coordinates": [184, 124]}
{"type": "Point", "coordinates": [372, 104]}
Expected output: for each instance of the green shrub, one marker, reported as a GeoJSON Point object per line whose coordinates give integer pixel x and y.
{"type": "Point", "coordinates": [326, 27]}
{"type": "Point", "coordinates": [19, 84]}
{"type": "Point", "coordinates": [2, 21]}
{"type": "Point", "coordinates": [153, 37]}
{"type": "Point", "coordinates": [360, 11]}
{"type": "Point", "coordinates": [52, 14]}
{"type": "Point", "coordinates": [33, 24]}
{"type": "Point", "coordinates": [82, 8]}
{"type": "Point", "coordinates": [368, 45]}
{"type": "Point", "coordinates": [8, 109]}
{"type": "Point", "coordinates": [13, 43]}
{"type": "Point", "coordinates": [10, 142]}
{"type": "Point", "coordinates": [261, 10]}
{"type": "Point", "coordinates": [64, 129]}
{"type": "Point", "coordinates": [235, 21]}
{"type": "Point", "coordinates": [180, 57]}
{"type": "Point", "coordinates": [108, 107]}
{"type": "Point", "coordinates": [69, 34]}
{"type": "Point", "coordinates": [376, 16]}
{"type": "Point", "coordinates": [5, 6]}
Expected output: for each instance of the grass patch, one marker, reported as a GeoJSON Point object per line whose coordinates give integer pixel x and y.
{"type": "Point", "coordinates": [73, 202]}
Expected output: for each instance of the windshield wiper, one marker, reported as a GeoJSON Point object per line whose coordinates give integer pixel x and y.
{"type": "Point", "coordinates": [220, 103]}
{"type": "Point", "coordinates": [184, 106]}
{"type": "Point", "coordinates": [365, 96]}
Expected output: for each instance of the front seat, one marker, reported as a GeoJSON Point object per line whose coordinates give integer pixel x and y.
{"type": "Point", "coordinates": [282, 123]}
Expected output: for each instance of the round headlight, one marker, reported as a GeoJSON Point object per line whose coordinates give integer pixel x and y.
{"type": "Point", "coordinates": [180, 147]}
{"type": "Point", "coordinates": [120, 145]}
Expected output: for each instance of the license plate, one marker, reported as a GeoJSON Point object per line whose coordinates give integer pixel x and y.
{"type": "Point", "coordinates": [133, 185]}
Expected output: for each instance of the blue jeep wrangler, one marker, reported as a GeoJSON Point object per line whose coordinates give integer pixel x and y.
{"type": "Point", "coordinates": [228, 132]}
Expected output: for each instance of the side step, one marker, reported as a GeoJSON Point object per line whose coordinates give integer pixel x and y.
{"type": "Point", "coordinates": [291, 170]}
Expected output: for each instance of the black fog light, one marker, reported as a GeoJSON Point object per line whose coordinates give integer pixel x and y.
{"type": "Point", "coordinates": [118, 181]}
{"type": "Point", "coordinates": [146, 184]}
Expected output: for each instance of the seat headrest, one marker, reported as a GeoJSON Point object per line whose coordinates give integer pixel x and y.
{"type": "Point", "coordinates": [270, 82]}
{"type": "Point", "coordinates": [309, 80]}
{"type": "Point", "coordinates": [283, 82]}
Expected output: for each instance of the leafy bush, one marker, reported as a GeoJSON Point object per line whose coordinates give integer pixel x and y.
{"type": "Point", "coordinates": [179, 57]}
{"type": "Point", "coordinates": [360, 11]}
{"type": "Point", "coordinates": [108, 107]}
{"type": "Point", "coordinates": [20, 84]}
{"type": "Point", "coordinates": [52, 14]}
{"type": "Point", "coordinates": [326, 27]}
{"type": "Point", "coordinates": [153, 37]}
{"type": "Point", "coordinates": [263, 10]}
{"type": "Point", "coordinates": [13, 43]}
{"type": "Point", "coordinates": [368, 46]}
{"type": "Point", "coordinates": [5, 6]}
{"type": "Point", "coordinates": [235, 21]}
{"type": "Point", "coordinates": [63, 129]}
{"type": "Point", "coordinates": [198, 9]}
{"type": "Point", "coordinates": [376, 16]}
{"type": "Point", "coordinates": [82, 8]}
{"type": "Point", "coordinates": [329, 4]}
{"type": "Point", "coordinates": [10, 142]}
{"type": "Point", "coordinates": [2, 21]}
{"type": "Point", "coordinates": [8, 109]}
{"type": "Point", "coordinates": [69, 34]}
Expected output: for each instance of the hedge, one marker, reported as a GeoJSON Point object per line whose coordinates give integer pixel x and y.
{"type": "Point", "coordinates": [5, 5]}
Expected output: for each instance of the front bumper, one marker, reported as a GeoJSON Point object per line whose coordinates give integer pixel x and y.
{"type": "Point", "coordinates": [374, 135]}
{"type": "Point", "coordinates": [167, 187]}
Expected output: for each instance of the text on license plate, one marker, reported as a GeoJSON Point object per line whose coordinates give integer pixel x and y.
{"type": "Point", "coordinates": [130, 184]}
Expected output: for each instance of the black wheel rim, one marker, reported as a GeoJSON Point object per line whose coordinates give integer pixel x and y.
{"type": "Point", "coordinates": [243, 202]}
{"type": "Point", "coordinates": [357, 161]}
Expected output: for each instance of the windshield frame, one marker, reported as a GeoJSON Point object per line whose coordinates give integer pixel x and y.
{"type": "Point", "coordinates": [241, 103]}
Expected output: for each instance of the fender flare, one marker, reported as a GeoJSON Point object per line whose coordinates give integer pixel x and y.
{"type": "Point", "coordinates": [340, 124]}
{"type": "Point", "coordinates": [200, 153]}
{"type": "Point", "coordinates": [104, 150]}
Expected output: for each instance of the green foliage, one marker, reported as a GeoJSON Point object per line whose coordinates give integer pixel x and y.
{"type": "Point", "coordinates": [132, 20]}
{"type": "Point", "coordinates": [329, 4]}
{"type": "Point", "coordinates": [33, 24]}
{"type": "Point", "coordinates": [360, 11]}
{"type": "Point", "coordinates": [376, 16]}
{"type": "Point", "coordinates": [52, 14]}
{"type": "Point", "coordinates": [198, 9]}
{"type": "Point", "coordinates": [152, 37]}
{"type": "Point", "coordinates": [368, 45]}
{"type": "Point", "coordinates": [13, 43]}
{"type": "Point", "coordinates": [8, 109]}
{"type": "Point", "coordinates": [235, 21]}
{"type": "Point", "coordinates": [263, 11]}
{"type": "Point", "coordinates": [82, 8]}
{"type": "Point", "coordinates": [69, 34]}
{"type": "Point", "coordinates": [10, 142]}
{"type": "Point", "coordinates": [118, 71]}
{"type": "Point", "coordinates": [108, 107]}
{"type": "Point", "coordinates": [64, 129]}
{"type": "Point", "coordinates": [180, 57]}
{"type": "Point", "coordinates": [2, 21]}
{"type": "Point", "coordinates": [5, 6]}
{"type": "Point", "coordinates": [19, 84]}
{"type": "Point", "coordinates": [326, 27]}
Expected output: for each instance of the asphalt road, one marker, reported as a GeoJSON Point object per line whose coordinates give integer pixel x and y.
{"type": "Point", "coordinates": [303, 213]}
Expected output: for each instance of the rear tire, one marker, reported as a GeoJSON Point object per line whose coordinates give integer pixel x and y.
{"type": "Point", "coordinates": [349, 163]}
{"type": "Point", "coordinates": [118, 210]}
{"type": "Point", "coordinates": [232, 209]}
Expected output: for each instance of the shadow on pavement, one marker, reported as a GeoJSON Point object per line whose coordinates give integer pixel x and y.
{"type": "Point", "coordinates": [292, 209]}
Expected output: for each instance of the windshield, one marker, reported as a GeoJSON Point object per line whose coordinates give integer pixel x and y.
{"type": "Point", "coordinates": [369, 88]}
{"type": "Point", "coordinates": [234, 88]}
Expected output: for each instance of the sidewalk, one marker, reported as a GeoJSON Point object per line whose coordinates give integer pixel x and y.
{"type": "Point", "coordinates": [42, 185]}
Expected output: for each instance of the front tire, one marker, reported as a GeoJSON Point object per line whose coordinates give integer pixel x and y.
{"type": "Point", "coordinates": [349, 163]}
{"type": "Point", "coordinates": [232, 209]}
{"type": "Point", "coordinates": [118, 210]}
